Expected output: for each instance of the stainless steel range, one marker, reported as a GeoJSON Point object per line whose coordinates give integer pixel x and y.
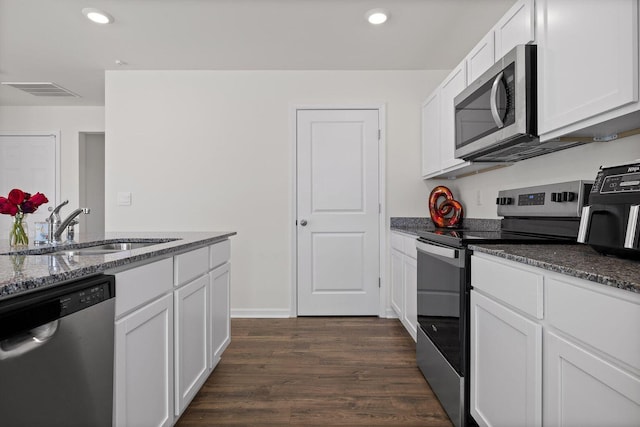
{"type": "Point", "coordinates": [541, 214]}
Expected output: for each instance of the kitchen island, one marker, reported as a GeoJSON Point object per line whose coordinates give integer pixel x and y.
{"type": "Point", "coordinates": [171, 317]}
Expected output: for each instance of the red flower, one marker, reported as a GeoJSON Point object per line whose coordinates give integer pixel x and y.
{"type": "Point", "coordinates": [16, 196]}
{"type": "Point", "coordinates": [19, 201]}
{"type": "Point", "coordinates": [7, 208]}
{"type": "Point", "coordinates": [38, 199]}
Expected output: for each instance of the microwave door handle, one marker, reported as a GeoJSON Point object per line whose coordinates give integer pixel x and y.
{"type": "Point", "coordinates": [494, 102]}
{"type": "Point", "coordinates": [632, 227]}
{"type": "Point", "coordinates": [585, 218]}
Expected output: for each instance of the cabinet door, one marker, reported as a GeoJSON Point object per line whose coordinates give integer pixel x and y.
{"type": "Point", "coordinates": [192, 340]}
{"type": "Point", "coordinates": [220, 280]}
{"type": "Point", "coordinates": [481, 57]}
{"type": "Point", "coordinates": [516, 27]}
{"type": "Point", "coordinates": [581, 389]}
{"type": "Point", "coordinates": [431, 134]}
{"type": "Point", "coordinates": [451, 87]}
{"type": "Point", "coordinates": [144, 366]}
{"type": "Point", "coordinates": [582, 76]}
{"type": "Point", "coordinates": [397, 291]}
{"type": "Point", "coordinates": [506, 365]}
{"type": "Point", "coordinates": [410, 285]}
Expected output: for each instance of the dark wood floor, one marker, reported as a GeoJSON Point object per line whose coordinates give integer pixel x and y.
{"type": "Point", "coordinates": [306, 371]}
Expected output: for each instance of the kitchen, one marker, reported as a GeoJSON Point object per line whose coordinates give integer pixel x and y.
{"type": "Point", "coordinates": [207, 111]}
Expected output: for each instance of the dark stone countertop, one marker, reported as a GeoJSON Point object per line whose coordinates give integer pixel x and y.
{"type": "Point", "coordinates": [20, 273]}
{"type": "Point", "coordinates": [577, 260]}
{"type": "Point", "coordinates": [413, 225]}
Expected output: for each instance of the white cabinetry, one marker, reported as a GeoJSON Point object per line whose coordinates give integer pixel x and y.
{"type": "Point", "coordinates": [438, 110]}
{"type": "Point", "coordinates": [172, 325]}
{"type": "Point", "coordinates": [404, 276]}
{"type": "Point", "coordinates": [191, 340]}
{"type": "Point", "coordinates": [587, 65]}
{"type": "Point", "coordinates": [516, 27]}
{"type": "Point", "coordinates": [143, 384]}
{"type": "Point", "coordinates": [549, 349]}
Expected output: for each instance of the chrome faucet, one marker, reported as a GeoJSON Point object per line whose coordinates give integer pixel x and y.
{"type": "Point", "coordinates": [57, 226]}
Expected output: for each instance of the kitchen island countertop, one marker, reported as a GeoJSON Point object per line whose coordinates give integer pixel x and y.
{"type": "Point", "coordinates": [21, 273]}
{"type": "Point", "coordinates": [577, 260]}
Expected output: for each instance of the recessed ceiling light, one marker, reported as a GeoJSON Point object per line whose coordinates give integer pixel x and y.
{"type": "Point", "coordinates": [377, 16]}
{"type": "Point", "coordinates": [97, 16]}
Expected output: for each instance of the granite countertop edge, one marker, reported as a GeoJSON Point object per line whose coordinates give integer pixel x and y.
{"type": "Point", "coordinates": [616, 265]}
{"type": "Point", "coordinates": [21, 273]}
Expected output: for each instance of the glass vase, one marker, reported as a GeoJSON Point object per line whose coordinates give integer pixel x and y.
{"type": "Point", "coordinates": [18, 236]}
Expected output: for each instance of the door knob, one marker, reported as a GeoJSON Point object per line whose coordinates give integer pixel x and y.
{"type": "Point", "coordinates": [303, 222]}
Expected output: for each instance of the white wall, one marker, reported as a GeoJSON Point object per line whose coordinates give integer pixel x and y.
{"type": "Point", "coordinates": [574, 163]}
{"type": "Point", "coordinates": [70, 121]}
{"type": "Point", "coordinates": [212, 150]}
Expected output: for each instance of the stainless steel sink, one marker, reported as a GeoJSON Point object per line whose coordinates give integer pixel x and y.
{"type": "Point", "coordinates": [107, 248]}
{"type": "Point", "coordinates": [88, 249]}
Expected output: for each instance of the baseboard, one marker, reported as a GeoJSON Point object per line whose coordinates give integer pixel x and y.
{"type": "Point", "coordinates": [259, 313]}
{"type": "Point", "coordinates": [391, 314]}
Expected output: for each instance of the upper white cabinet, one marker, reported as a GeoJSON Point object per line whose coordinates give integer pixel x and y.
{"type": "Point", "coordinates": [481, 57]}
{"type": "Point", "coordinates": [438, 110]}
{"type": "Point", "coordinates": [516, 27]}
{"type": "Point", "coordinates": [451, 87]}
{"type": "Point", "coordinates": [431, 144]}
{"type": "Point", "coordinates": [587, 65]}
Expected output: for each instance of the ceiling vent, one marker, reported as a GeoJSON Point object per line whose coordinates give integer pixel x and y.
{"type": "Point", "coordinates": [42, 89]}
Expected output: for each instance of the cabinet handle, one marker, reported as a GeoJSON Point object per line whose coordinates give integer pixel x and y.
{"type": "Point", "coordinates": [632, 227]}
{"type": "Point", "coordinates": [584, 224]}
{"type": "Point", "coordinates": [494, 102]}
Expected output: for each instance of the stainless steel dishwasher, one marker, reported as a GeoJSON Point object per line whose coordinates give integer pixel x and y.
{"type": "Point", "coordinates": [56, 355]}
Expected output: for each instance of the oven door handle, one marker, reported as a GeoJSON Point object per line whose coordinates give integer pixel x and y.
{"type": "Point", "coordinates": [437, 250]}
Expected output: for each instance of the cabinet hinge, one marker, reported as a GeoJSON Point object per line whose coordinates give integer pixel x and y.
{"type": "Point", "coordinates": [379, 134]}
{"type": "Point", "coordinates": [379, 282]}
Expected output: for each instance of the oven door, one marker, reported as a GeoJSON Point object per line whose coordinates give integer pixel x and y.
{"type": "Point", "coordinates": [442, 296]}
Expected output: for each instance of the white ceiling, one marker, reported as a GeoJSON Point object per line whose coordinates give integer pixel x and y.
{"type": "Point", "coordinates": [50, 40]}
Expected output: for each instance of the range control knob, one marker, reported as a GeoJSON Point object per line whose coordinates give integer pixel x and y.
{"type": "Point", "coordinates": [504, 201]}
{"type": "Point", "coordinates": [571, 196]}
{"type": "Point", "coordinates": [554, 197]}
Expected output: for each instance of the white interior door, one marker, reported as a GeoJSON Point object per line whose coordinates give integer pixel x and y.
{"type": "Point", "coordinates": [337, 212]}
{"type": "Point", "coordinates": [28, 162]}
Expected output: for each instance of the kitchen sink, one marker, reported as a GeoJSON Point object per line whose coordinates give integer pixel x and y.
{"type": "Point", "coordinates": [91, 249]}
{"type": "Point", "coordinates": [107, 248]}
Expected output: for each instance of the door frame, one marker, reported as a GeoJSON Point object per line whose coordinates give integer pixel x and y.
{"type": "Point", "coordinates": [293, 199]}
{"type": "Point", "coordinates": [56, 136]}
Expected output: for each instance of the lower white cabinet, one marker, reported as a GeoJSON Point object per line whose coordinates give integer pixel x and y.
{"type": "Point", "coordinates": [191, 340]}
{"type": "Point", "coordinates": [172, 325]}
{"type": "Point", "coordinates": [143, 385]}
{"type": "Point", "coordinates": [583, 389]}
{"type": "Point", "coordinates": [404, 280]}
{"type": "Point", "coordinates": [550, 349]}
{"type": "Point", "coordinates": [506, 365]}
{"type": "Point", "coordinates": [220, 318]}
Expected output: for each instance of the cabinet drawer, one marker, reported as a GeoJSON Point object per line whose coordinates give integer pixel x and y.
{"type": "Point", "coordinates": [191, 265]}
{"type": "Point", "coordinates": [397, 242]}
{"type": "Point", "coordinates": [605, 322]}
{"type": "Point", "coordinates": [219, 253]}
{"type": "Point", "coordinates": [410, 247]}
{"type": "Point", "coordinates": [137, 286]}
{"type": "Point", "coordinates": [520, 288]}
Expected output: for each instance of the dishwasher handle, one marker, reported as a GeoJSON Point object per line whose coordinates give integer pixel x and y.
{"type": "Point", "coordinates": [24, 342]}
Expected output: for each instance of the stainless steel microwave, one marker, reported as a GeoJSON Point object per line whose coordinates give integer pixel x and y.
{"type": "Point", "coordinates": [496, 115]}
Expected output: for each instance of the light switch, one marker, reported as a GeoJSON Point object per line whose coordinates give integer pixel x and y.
{"type": "Point", "coordinates": [124, 198]}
